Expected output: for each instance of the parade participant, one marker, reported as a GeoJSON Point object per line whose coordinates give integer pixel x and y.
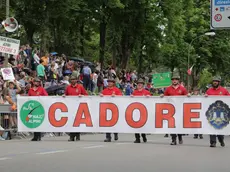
{"type": "Point", "coordinates": [175, 90]}
{"type": "Point", "coordinates": [140, 91]}
{"type": "Point", "coordinates": [37, 90]}
{"type": "Point", "coordinates": [75, 89]}
{"type": "Point", "coordinates": [216, 90]}
{"type": "Point", "coordinates": [111, 90]}
{"type": "Point", "coordinates": [196, 92]}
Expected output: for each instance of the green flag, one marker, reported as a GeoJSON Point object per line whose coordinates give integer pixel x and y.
{"type": "Point", "coordinates": [161, 80]}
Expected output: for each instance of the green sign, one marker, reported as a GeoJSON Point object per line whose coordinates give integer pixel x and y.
{"type": "Point", "coordinates": [32, 114]}
{"type": "Point", "coordinates": [161, 80]}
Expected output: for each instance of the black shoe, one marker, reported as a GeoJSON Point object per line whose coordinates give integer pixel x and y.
{"type": "Point", "coordinates": [34, 139]}
{"type": "Point", "coordinates": [116, 138]}
{"type": "Point", "coordinates": [137, 141]}
{"type": "Point", "coordinates": [195, 137]}
{"type": "Point", "coordinates": [144, 139]}
{"type": "Point", "coordinates": [173, 143]}
{"type": "Point", "coordinates": [78, 139]}
{"type": "Point", "coordinates": [213, 145]}
{"type": "Point", "coordinates": [180, 142]}
{"type": "Point", "coordinates": [107, 140]}
{"type": "Point", "coordinates": [201, 137]}
{"type": "Point", "coordinates": [166, 135]}
{"type": "Point", "coordinates": [71, 140]}
{"type": "Point", "coordinates": [222, 144]}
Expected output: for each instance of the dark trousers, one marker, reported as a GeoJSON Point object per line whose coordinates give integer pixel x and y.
{"type": "Point", "coordinates": [138, 136]}
{"type": "Point", "coordinates": [213, 138]}
{"type": "Point", "coordinates": [37, 135]}
{"type": "Point", "coordinates": [174, 136]}
{"type": "Point", "coordinates": [108, 135]}
{"type": "Point", "coordinates": [86, 82]}
{"type": "Point", "coordinates": [73, 135]}
{"type": "Point", "coordinates": [196, 135]}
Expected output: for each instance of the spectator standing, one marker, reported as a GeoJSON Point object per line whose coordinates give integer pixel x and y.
{"type": "Point", "coordinates": [41, 71]}
{"type": "Point", "coordinates": [86, 71]}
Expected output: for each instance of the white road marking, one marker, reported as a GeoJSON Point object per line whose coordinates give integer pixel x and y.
{"type": "Point", "coordinates": [51, 152]}
{"type": "Point", "coordinates": [92, 147]}
{"type": "Point", "coordinates": [5, 158]}
{"type": "Point", "coordinates": [123, 143]}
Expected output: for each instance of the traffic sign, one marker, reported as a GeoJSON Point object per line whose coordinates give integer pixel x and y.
{"type": "Point", "coordinates": [220, 14]}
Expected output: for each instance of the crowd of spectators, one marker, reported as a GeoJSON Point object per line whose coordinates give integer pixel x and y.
{"type": "Point", "coordinates": [54, 71]}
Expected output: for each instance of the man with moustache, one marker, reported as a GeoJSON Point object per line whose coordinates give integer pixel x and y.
{"type": "Point", "coordinates": [175, 90]}
{"type": "Point", "coordinates": [140, 91]}
{"type": "Point", "coordinates": [37, 90]}
{"type": "Point", "coordinates": [111, 90]}
{"type": "Point", "coordinates": [75, 89]}
{"type": "Point", "coordinates": [216, 90]}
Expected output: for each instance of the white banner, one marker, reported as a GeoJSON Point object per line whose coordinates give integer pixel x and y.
{"type": "Point", "coordinates": [9, 45]}
{"type": "Point", "coordinates": [182, 115]}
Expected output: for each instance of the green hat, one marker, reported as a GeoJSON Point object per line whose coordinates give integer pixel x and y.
{"type": "Point", "coordinates": [141, 81]}
{"type": "Point", "coordinates": [75, 74]}
{"type": "Point", "coordinates": [73, 77]}
{"type": "Point", "coordinates": [196, 89]}
{"type": "Point", "coordinates": [175, 76]}
{"type": "Point", "coordinates": [216, 78]}
{"type": "Point", "coordinates": [37, 80]}
{"type": "Point", "coordinates": [111, 79]}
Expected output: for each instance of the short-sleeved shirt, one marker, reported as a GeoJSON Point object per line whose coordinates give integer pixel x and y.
{"type": "Point", "coordinates": [111, 91]}
{"type": "Point", "coordinates": [220, 91]}
{"type": "Point", "coordinates": [40, 91]}
{"type": "Point", "coordinates": [143, 92]}
{"type": "Point", "coordinates": [75, 90]}
{"type": "Point", "coordinates": [41, 70]}
{"type": "Point", "coordinates": [13, 95]}
{"type": "Point", "coordinates": [179, 91]}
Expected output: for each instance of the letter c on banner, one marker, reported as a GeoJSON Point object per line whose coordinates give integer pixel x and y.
{"type": "Point", "coordinates": [52, 111]}
{"type": "Point", "coordinates": [160, 116]}
{"type": "Point", "coordinates": [103, 114]}
{"type": "Point", "coordinates": [143, 115]}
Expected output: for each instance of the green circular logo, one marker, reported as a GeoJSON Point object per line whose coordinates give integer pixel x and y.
{"type": "Point", "coordinates": [32, 114]}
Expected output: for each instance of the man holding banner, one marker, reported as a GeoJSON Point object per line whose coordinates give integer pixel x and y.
{"type": "Point", "coordinates": [216, 90]}
{"type": "Point", "coordinates": [140, 91]}
{"type": "Point", "coordinates": [36, 90]}
{"type": "Point", "coordinates": [175, 90]}
{"type": "Point", "coordinates": [111, 90]}
{"type": "Point", "coordinates": [75, 89]}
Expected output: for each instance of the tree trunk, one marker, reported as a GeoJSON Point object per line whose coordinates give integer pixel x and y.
{"type": "Point", "coordinates": [82, 38]}
{"type": "Point", "coordinates": [114, 57]}
{"type": "Point", "coordinates": [102, 38]}
{"type": "Point", "coordinates": [125, 50]}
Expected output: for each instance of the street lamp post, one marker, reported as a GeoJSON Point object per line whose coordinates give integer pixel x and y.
{"type": "Point", "coordinates": [206, 34]}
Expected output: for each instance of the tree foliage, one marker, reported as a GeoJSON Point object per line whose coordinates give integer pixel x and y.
{"type": "Point", "coordinates": [145, 35]}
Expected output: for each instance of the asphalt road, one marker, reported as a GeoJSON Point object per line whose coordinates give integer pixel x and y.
{"type": "Point", "coordinates": [91, 154]}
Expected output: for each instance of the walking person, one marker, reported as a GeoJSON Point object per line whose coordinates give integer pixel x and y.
{"type": "Point", "coordinates": [37, 90]}
{"type": "Point", "coordinates": [216, 90]}
{"type": "Point", "coordinates": [140, 91]}
{"type": "Point", "coordinates": [175, 90]}
{"type": "Point", "coordinates": [113, 91]}
{"type": "Point", "coordinates": [75, 89]}
{"type": "Point", "coordinates": [196, 92]}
